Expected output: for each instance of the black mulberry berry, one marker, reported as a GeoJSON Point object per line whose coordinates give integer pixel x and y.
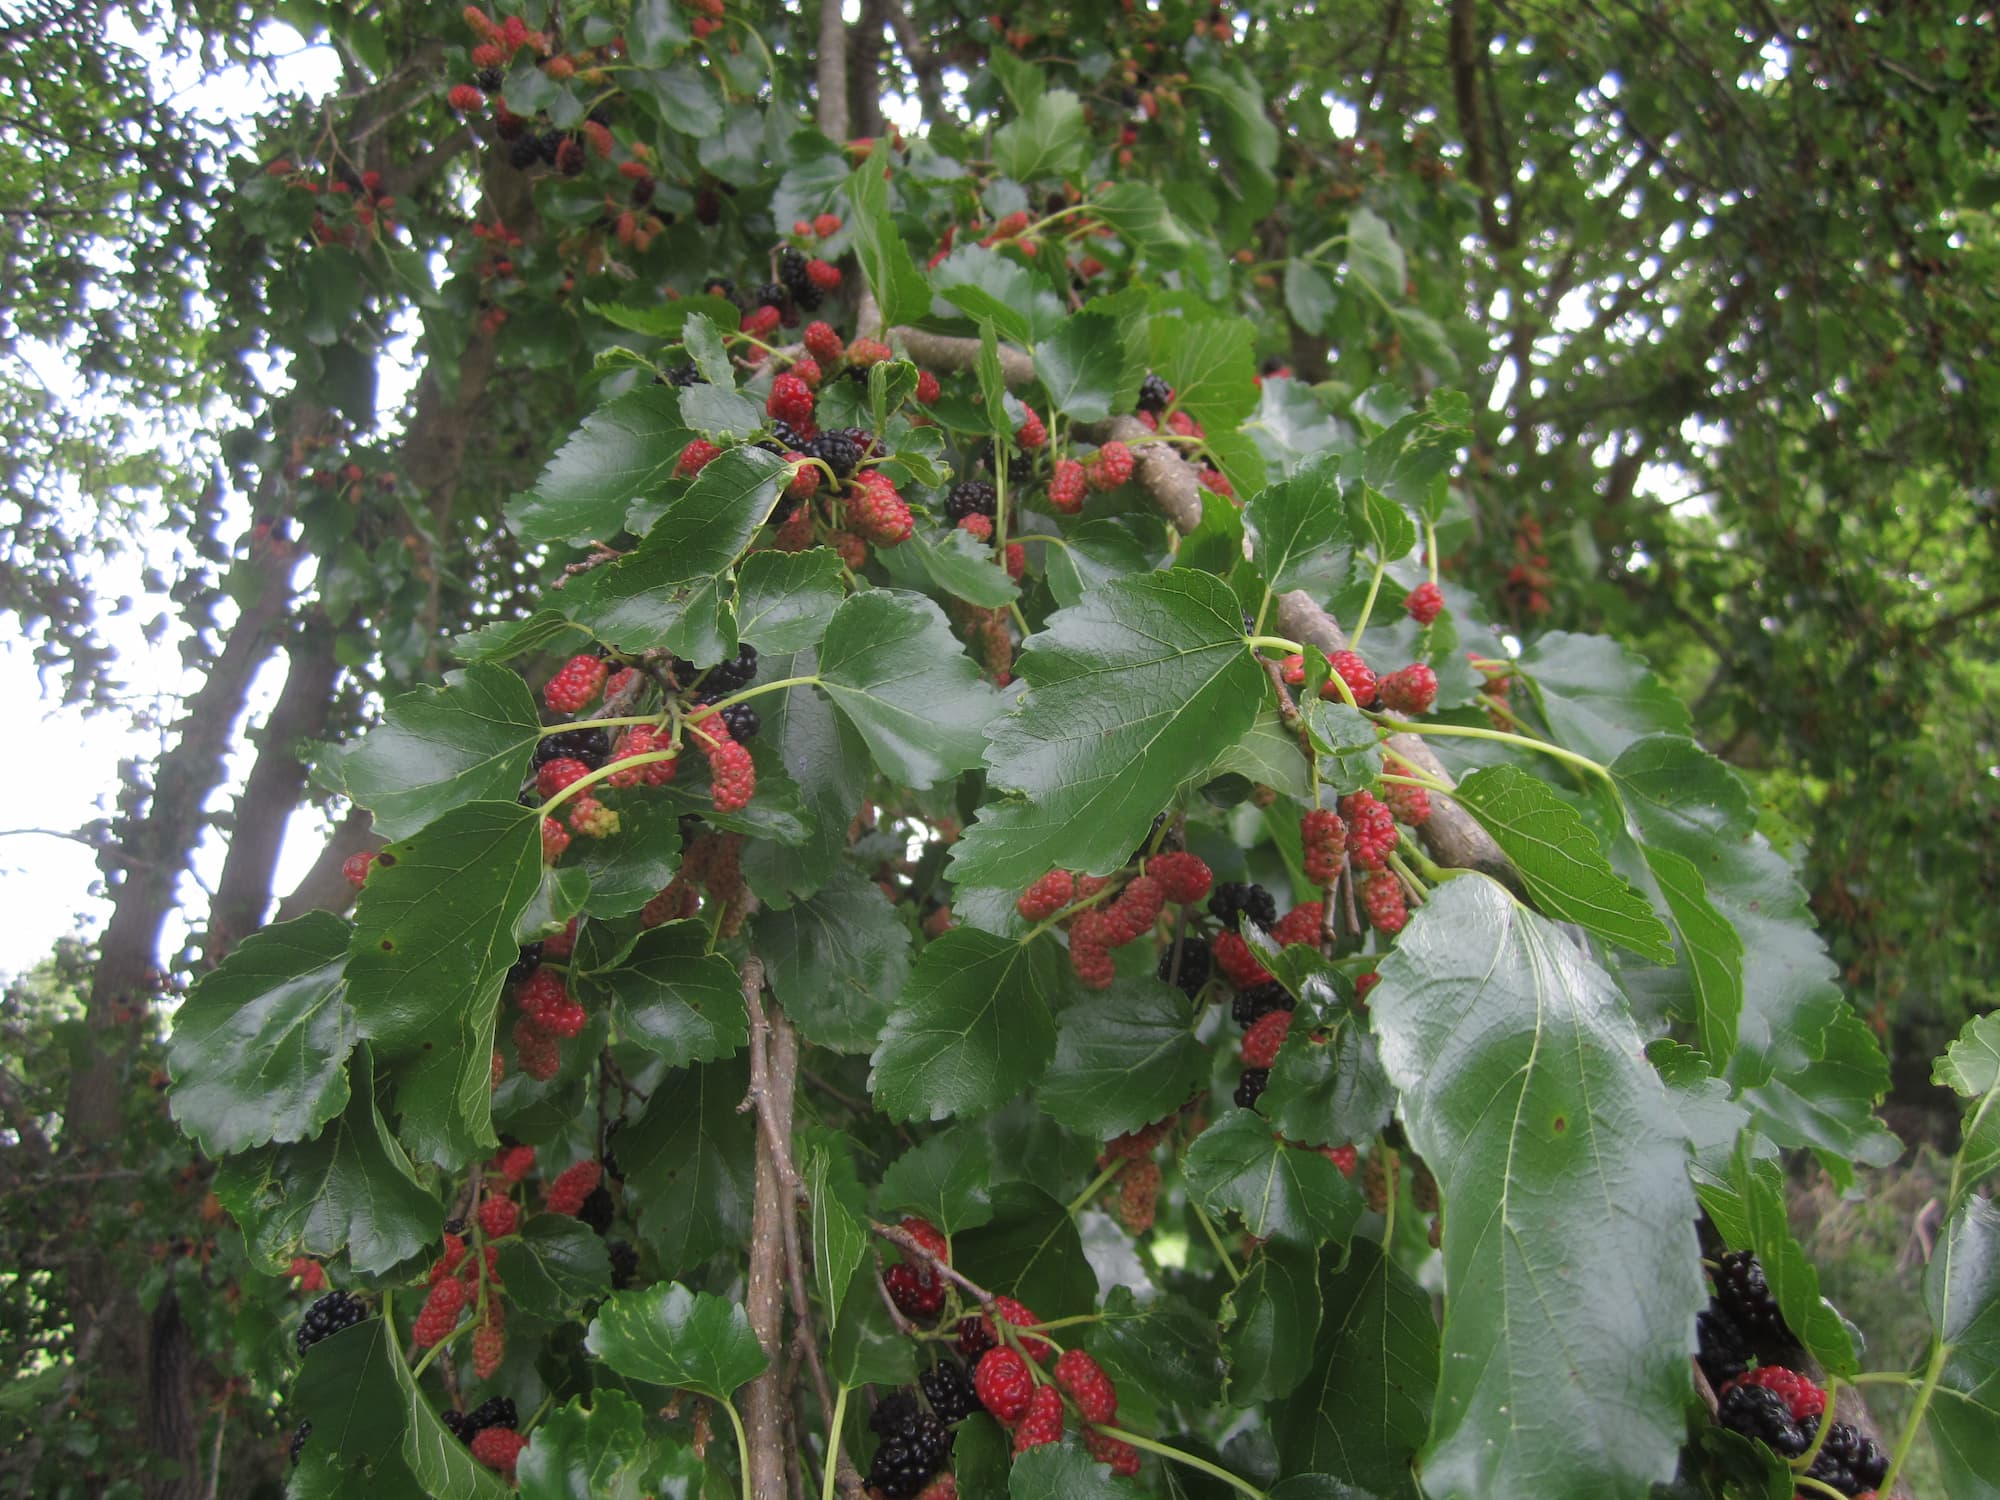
{"type": "Point", "coordinates": [328, 1316]}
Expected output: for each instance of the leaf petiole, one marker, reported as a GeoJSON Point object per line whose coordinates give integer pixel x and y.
{"type": "Point", "coordinates": [1500, 736]}
{"type": "Point", "coordinates": [1933, 1373]}
{"type": "Point", "coordinates": [1192, 1461]}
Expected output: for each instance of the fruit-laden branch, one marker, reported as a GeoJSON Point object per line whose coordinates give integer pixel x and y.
{"type": "Point", "coordinates": [1451, 834]}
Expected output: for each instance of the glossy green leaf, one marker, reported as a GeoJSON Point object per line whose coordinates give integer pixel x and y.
{"type": "Point", "coordinates": [1279, 1191]}
{"type": "Point", "coordinates": [625, 870]}
{"type": "Point", "coordinates": [1970, 1067]}
{"type": "Point", "coordinates": [1029, 1250]}
{"type": "Point", "coordinates": [1598, 695]}
{"type": "Point", "coordinates": [1300, 537]}
{"type": "Point", "coordinates": [595, 1452]}
{"type": "Point", "coordinates": [1079, 365]}
{"type": "Point", "coordinates": [640, 601]}
{"type": "Point", "coordinates": [1165, 1345]}
{"type": "Point", "coordinates": [1063, 1471]}
{"type": "Point", "coordinates": [260, 1048]}
{"type": "Point", "coordinates": [1272, 1318]}
{"type": "Point", "coordinates": [1569, 1250]}
{"type": "Point", "coordinates": [668, 1335]}
{"type": "Point", "coordinates": [828, 763]}
{"type": "Point", "coordinates": [839, 1240]}
{"type": "Point", "coordinates": [1374, 255]}
{"type": "Point", "coordinates": [689, 1161]}
{"type": "Point", "coordinates": [545, 630]}
{"type": "Point", "coordinates": [703, 342]}
{"type": "Point", "coordinates": [433, 940]}
{"type": "Point", "coordinates": [893, 667]}
{"type": "Point", "coordinates": [995, 288]}
{"type": "Point", "coordinates": [1408, 462]}
{"type": "Point", "coordinates": [1560, 860]}
{"type": "Point", "coordinates": [1130, 693]}
{"type": "Point", "coordinates": [1962, 1295]}
{"type": "Point", "coordinates": [1210, 364]}
{"type": "Point", "coordinates": [1760, 1186]}
{"type": "Point", "coordinates": [1327, 1087]}
{"type": "Point", "coordinates": [1380, 524]}
{"type": "Point", "coordinates": [624, 451]}
{"type": "Point", "coordinates": [1048, 140]}
{"type": "Point", "coordinates": [348, 1391]}
{"type": "Point", "coordinates": [899, 287]}
{"type": "Point", "coordinates": [471, 740]}
{"type": "Point", "coordinates": [837, 960]}
{"type": "Point", "coordinates": [1364, 1408]}
{"type": "Point", "coordinates": [1123, 1059]}
{"type": "Point", "coordinates": [672, 997]}
{"type": "Point", "coordinates": [784, 599]}
{"type": "Point", "coordinates": [1092, 552]}
{"type": "Point", "coordinates": [945, 1180]}
{"type": "Point", "coordinates": [973, 1027]}
{"type": "Point", "coordinates": [554, 1266]}
{"type": "Point", "coordinates": [951, 562]}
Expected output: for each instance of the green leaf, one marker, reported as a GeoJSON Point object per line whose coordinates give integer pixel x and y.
{"type": "Point", "coordinates": [1079, 365]}
{"type": "Point", "coordinates": [1267, 753]}
{"type": "Point", "coordinates": [441, 1463]}
{"type": "Point", "coordinates": [837, 960]}
{"type": "Point", "coordinates": [1569, 1250]}
{"type": "Point", "coordinates": [638, 603]}
{"type": "Point", "coordinates": [663, 320]}
{"type": "Point", "coordinates": [1123, 1059]}
{"type": "Point", "coordinates": [1299, 533]}
{"type": "Point", "coordinates": [839, 1241]}
{"type": "Point", "coordinates": [555, 1266]}
{"type": "Point", "coordinates": [657, 33]}
{"type": "Point", "coordinates": [1141, 217]}
{"type": "Point", "coordinates": [953, 563]}
{"type": "Point", "coordinates": [1426, 338]}
{"type": "Point", "coordinates": [689, 1163]}
{"type": "Point", "coordinates": [1048, 140]}
{"type": "Point", "coordinates": [1962, 1295]}
{"type": "Point", "coordinates": [990, 287]}
{"type": "Point", "coordinates": [680, 1002]}
{"type": "Point", "coordinates": [668, 1335]}
{"type": "Point", "coordinates": [1063, 1471]}
{"type": "Point", "coordinates": [993, 387]}
{"type": "Point", "coordinates": [829, 764]}
{"type": "Point", "coordinates": [471, 740]}
{"type": "Point", "coordinates": [1329, 1092]}
{"type": "Point", "coordinates": [1019, 79]}
{"type": "Point", "coordinates": [1216, 545]}
{"type": "Point", "coordinates": [1380, 523]}
{"type": "Point", "coordinates": [1560, 861]}
{"type": "Point", "coordinates": [624, 451]}
{"type": "Point", "coordinates": [1092, 552]}
{"type": "Point", "coordinates": [1374, 255]}
{"type": "Point", "coordinates": [867, 1347]}
{"type": "Point", "coordinates": [784, 599]}
{"type": "Point", "coordinates": [721, 411]}
{"type": "Point", "coordinates": [1308, 295]}
{"type": "Point", "coordinates": [348, 1391]}
{"type": "Point", "coordinates": [1760, 1185]}
{"type": "Point", "coordinates": [899, 287]}
{"type": "Point", "coordinates": [1377, 1353]}
{"type": "Point", "coordinates": [625, 870]}
{"type": "Point", "coordinates": [598, 1452]}
{"type": "Point", "coordinates": [815, 173]}
{"type": "Point", "coordinates": [1291, 427]}
{"type": "Point", "coordinates": [704, 346]}
{"type": "Point", "coordinates": [944, 1180]}
{"type": "Point", "coordinates": [1130, 693]}
{"type": "Point", "coordinates": [433, 940]}
{"type": "Point", "coordinates": [892, 666]}
{"type": "Point", "coordinates": [1598, 696]}
{"type": "Point", "coordinates": [1165, 1345]}
{"type": "Point", "coordinates": [1272, 1317]}
{"type": "Point", "coordinates": [1971, 1067]}
{"type": "Point", "coordinates": [1211, 364]}
{"type": "Point", "coordinates": [1347, 738]}
{"type": "Point", "coordinates": [545, 630]}
{"type": "Point", "coordinates": [351, 1189]}
{"type": "Point", "coordinates": [1240, 1165]}
{"type": "Point", "coordinates": [1029, 1250]}
{"type": "Point", "coordinates": [260, 1047]}
{"type": "Point", "coordinates": [1410, 462]}
{"type": "Point", "coordinates": [973, 1027]}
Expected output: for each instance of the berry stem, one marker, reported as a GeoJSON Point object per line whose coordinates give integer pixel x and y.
{"type": "Point", "coordinates": [1817, 1486]}
{"type": "Point", "coordinates": [1431, 549]}
{"type": "Point", "coordinates": [1275, 643]}
{"type": "Point", "coordinates": [1175, 1455]}
{"type": "Point", "coordinates": [628, 722]}
{"type": "Point", "coordinates": [1414, 777]}
{"type": "Point", "coordinates": [1404, 873]}
{"type": "Point", "coordinates": [742, 1446]}
{"type": "Point", "coordinates": [1368, 605]}
{"type": "Point", "coordinates": [1097, 1183]}
{"type": "Point", "coordinates": [833, 1429]}
{"type": "Point", "coordinates": [1806, 1459]}
{"type": "Point", "coordinates": [1472, 732]}
{"type": "Point", "coordinates": [1069, 911]}
{"type": "Point", "coordinates": [751, 692]}
{"type": "Point", "coordinates": [1215, 1239]}
{"type": "Point", "coordinates": [1933, 1372]}
{"type": "Point", "coordinates": [584, 783]}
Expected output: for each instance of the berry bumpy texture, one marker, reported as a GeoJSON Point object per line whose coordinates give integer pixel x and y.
{"type": "Point", "coordinates": [949, 1390]}
{"type": "Point", "coordinates": [1088, 1386]}
{"type": "Point", "coordinates": [576, 685]}
{"type": "Point", "coordinates": [1042, 1422]}
{"type": "Point", "coordinates": [915, 1445]}
{"type": "Point", "coordinates": [329, 1316]}
{"type": "Point", "coordinates": [1325, 839]}
{"type": "Point", "coordinates": [1741, 1292]}
{"type": "Point", "coordinates": [1002, 1383]}
{"type": "Point", "coordinates": [1424, 603]}
{"type": "Point", "coordinates": [1047, 896]}
{"type": "Point", "coordinates": [1802, 1398]}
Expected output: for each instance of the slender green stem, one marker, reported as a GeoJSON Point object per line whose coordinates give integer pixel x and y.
{"type": "Point", "coordinates": [833, 1443]}
{"type": "Point", "coordinates": [1431, 549]}
{"type": "Point", "coordinates": [1192, 1461]}
{"type": "Point", "coordinates": [1389, 1204]}
{"type": "Point", "coordinates": [1074, 1321]}
{"type": "Point", "coordinates": [1069, 911]}
{"type": "Point", "coordinates": [1096, 1183]}
{"type": "Point", "coordinates": [1471, 732]}
{"type": "Point", "coordinates": [1883, 1377]}
{"type": "Point", "coordinates": [1367, 606]}
{"type": "Point", "coordinates": [1276, 643]}
{"type": "Point", "coordinates": [1014, 609]}
{"type": "Point", "coordinates": [742, 1447]}
{"type": "Point", "coordinates": [1817, 1485]}
{"type": "Point", "coordinates": [1806, 1459]}
{"type": "Point", "coordinates": [1415, 778]}
{"type": "Point", "coordinates": [1215, 1239]}
{"type": "Point", "coordinates": [752, 692]}
{"type": "Point", "coordinates": [1036, 536]}
{"type": "Point", "coordinates": [999, 500]}
{"type": "Point", "coordinates": [1263, 607]}
{"type": "Point", "coordinates": [1905, 1440]}
{"type": "Point", "coordinates": [628, 722]}
{"type": "Point", "coordinates": [610, 768]}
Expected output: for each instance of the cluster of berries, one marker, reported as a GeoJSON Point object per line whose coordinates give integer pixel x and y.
{"type": "Point", "coordinates": [1009, 1382]}
{"type": "Point", "coordinates": [1098, 925]}
{"type": "Point", "coordinates": [332, 1314]}
{"type": "Point", "coordinates": [1408, 690]}
{"type": "Point", "coordinates": [1783, 1410]}
{"type": "Point", "coordinates": [350, 204]}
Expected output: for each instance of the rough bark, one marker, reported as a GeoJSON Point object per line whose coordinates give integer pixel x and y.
{"type": "Point", "coordinates": [773, 1204]}
{"type": "Point", "coordinates": [832, 72]}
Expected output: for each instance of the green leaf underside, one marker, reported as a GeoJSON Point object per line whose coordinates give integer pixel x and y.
{"type": "Point", "coordinates": [1131, 692]}
{"type": "Point", "coordinates": [670, 1336]}
{"type": "Point", "coordinates": [1569, 1250]}
{"type": "Point", "coordinates": [1962, 1295]}
{"type": "Point", "coordinates": [260, 1046]}
{"type": "Point", "coordinates": [839, 1241]}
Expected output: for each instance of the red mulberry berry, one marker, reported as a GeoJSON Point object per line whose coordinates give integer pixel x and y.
{"type": "Point", "coordinates": [1089, 954]}
{"type": "Point", "coordinates": [448, 1263]}
{"type": "Point", "coordinates": [917, 1291]}
{"type": "Point", "coordinates": [926, 1234]}
{"type": "Point", "coordinates": [807, 369]}
{"type": "Point", "coordinates": [1121, 1455]}
{"type": "Point", "coordinates": [539, 1056]}
{"type": "Point", "coordinates": [440, 1312]}
{"type": "Point", "coordinates": [1424, 603]}
{"type": "Point", "coordinates": [1409, 804]}
{"type": "Point", "coordinates": [1239, 965]}
{"type": "Point", "coordinates": [1363, 983]}
{"type": "Point", "coordinates": [804, 482]}
{"type": "Point", "coordinates": [499, 1216]}
{"type": "Point", "coordinates": [975, 1337]}
{"type": "Point", "coordinates": [826, 226]}
{"type": "Point", "coordinates": [1111, 466]}
{"type": "Point", "coordinates": [1343, 1157]}
{"type": "Point", "coordinates": [466, 99]}
{"type": "Point", "coordinates": [1015, 1315]}
{"type": "Point", "coordinates": [1294, 670]}
{"type": "Point", "coordinates": [1356, 673]}
{"type": "Point", "coordinates": [695, 457]}
{"type": "Point", "coordinates": [1067, 486]}
{"type": "Point", "coordinates": [1371, 830]}
{"type": "Point", "coordinates": [1088, 1386]}
{"type": "Point", "coordinates": [545, 1001]}
{"type": "Point", "coordinates": [1184, 878]}
{"type": "Point", "coordinates": [1138, 1195]}
{"type": "Point", "coordinates": [1300, 925]}
{"type": "Point", "coordinates": [790, 401]}
{"type": "Point", "coordinates": [355, 867]}
{"type": "Point", "coordinates": [823, 344]}
{"type": "Point", "coordinates": [1265, 1036]}
{"type": "Point", "coordinates": [498, 1448]}
{"type": "Point", "coordinates": [734, 777]}
{"type": "Point", "coordinates": [1132, 915]}
{"type": "Point", "coordinates": [633, 743]}
{"type": "Point", "coordinates": [566, 1194]}
{"type": "Point", "coordinates": [592, 818]}
{"type": "Point", "coordinates": [852, 550]}
{"type": "Point", "coordinates": [762, 322]}
{"type": "Point", "coordinates": [489, 1351]}
{"type": "Point", "coordinates": [865, 352]}
{"type": "Point", "coordinates": [1185, 425]}
{"type": "Point", "coordinates": [555, 839]}
{"type": "Point", "coordinates": [1004, 1385]}
{"type": "Point", "coordinates": [1212, 479]}
{"type": "Point", "coordinates": [1016, 560]}
{"type": "Point", "coordinates": [1410, 691]}
{"type": "Point", "coordinates": [1043, 1421]}
{"type": "Point", "coordinates": [1325, 838]}
{"type": "Point", "coordinates": [1031, 433]}
{"type": "Point", "coordinates": [515, 1163]}
{"type": "Point", "coordinates": [825, 275]}
{"type": "Point", "coordinates": [310, 1273]}
{"type": "Point", "coordinates": [559, 773]}
{"type": "Point", "coordinates": [576, 684]}
{"type": "Point", "coordinates": [880, 514]}
{"type": "Point", "coordinates": [977, 526]}
{"type": "Point", "coordinates": [1047, 896]}
{"type": "Point", "coordinates": [1388, 909]}
{"type": "Point", "coordinates": [928, 389]}
{"type": "Point", "coordinates": [1803, 1397]}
